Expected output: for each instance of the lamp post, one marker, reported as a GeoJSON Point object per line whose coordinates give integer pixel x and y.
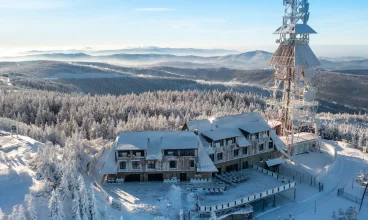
{"type": "Point", "coordinates": [315, 205]}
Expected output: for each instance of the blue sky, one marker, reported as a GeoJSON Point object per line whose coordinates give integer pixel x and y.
{"type": "Point", "coordinates": [233, 24]}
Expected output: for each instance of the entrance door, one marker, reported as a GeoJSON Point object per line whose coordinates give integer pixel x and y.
{"type": "Point", "coordinates": [132, 178]}
{"type": "Point", "coordinates": [233, 167]}
{"type": "Point", "coordinates": [156, 177]}
{"type": "Point", "coordinates": [183, 177]}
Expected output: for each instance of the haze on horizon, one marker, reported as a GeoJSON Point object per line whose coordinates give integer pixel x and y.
{"type": "Point", "coordinates": [112, 24]}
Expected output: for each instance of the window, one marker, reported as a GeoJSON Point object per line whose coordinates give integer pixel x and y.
{"type": "Point", "coordinates": [122, 165]}
{"type": "Point", "coordinates": [230, 141]}
{"type": "Point", "coordinates": [236, 152]}
{"type": "Point", "coordinates": [171, 153]}
{"type": "Point", "coordinates": [136, 165]}
{"type": "Point", "coordinates": [261, 147]}
{"type": "Point", "coordinates": [123, 153]}
{"type": "Point", "coordinates": [261, 159]}
{"type": "Point", "coordinates": [191, 163]}
{"type": "Point", "coordinates": [172, 164]}
{"type": "Point", "coordinates": [219, 156]}
{"type": "Point", "coordinates": [245, 150]}
{"type": "Point", "coordinates": [212, 157]}
{"type": "Point", "coordinates": [187, 153]}
{"type": "Point", "coordinates": [151, 164]}
{"type": "Point", "coordinates": [270, 144]}
{"type": "Point", "coordinates": [268, 133]}
{"type": "Point", "coordinates": [138, 153]}
{"type": "Point", "coordinates": [221, 142]}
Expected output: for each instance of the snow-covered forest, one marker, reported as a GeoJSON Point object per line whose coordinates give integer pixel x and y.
{"type": "Point", "coordinates": [50, 116]}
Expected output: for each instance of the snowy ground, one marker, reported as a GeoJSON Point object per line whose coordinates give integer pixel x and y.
{"type": "Point", "coordinates": [314, 162]}
{"type": "Point", "coordinates": [349, 163]}
{"type": "Point", "coordinates": [15, 176]}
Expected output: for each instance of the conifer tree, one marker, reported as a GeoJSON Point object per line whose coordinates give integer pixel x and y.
{"type": "Point", "coordinates": [31, 209]}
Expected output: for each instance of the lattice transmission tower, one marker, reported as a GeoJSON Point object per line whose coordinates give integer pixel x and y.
{"type": "Point", "coordinates": [295, 63]}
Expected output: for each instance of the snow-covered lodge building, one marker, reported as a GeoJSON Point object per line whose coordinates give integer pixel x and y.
{"type": "Point", "coordinates": [157, 155]}
{"type": "Point", "coordinates": [238, 141]}
{"type": "Point", "coordinates": [203, 147]}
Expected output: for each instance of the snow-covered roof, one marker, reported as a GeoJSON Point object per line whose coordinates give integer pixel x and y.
{"type": "Point", "coordinates": [205, 164]}
{"type": "Point", "coordinates": [304, 56]}
{"type": "Point", "coordinates": [154, 150]}
{"type": "Point", "coordinates": [242, 142]}
{"type": "Point", "coordinates": [224, 121]}
{"type": "Point", "coordinates": [251, 122]}
{"type": "Point", "coordinates": [280, 145]}
{"type": "Point", "coordinates": [255, 127]}
{"type": "Point", "coordinates": [295, 29]}
{"type": "Point", "coordinates": [221, 133]}
{"type": "Point", "coordinates": [290, 55]}
{"type": "Point", "coordinates": [151, 140]}
{"type": "Point", "coordinates": [299, 138]}
{"type": "Point", "coordinates": [273, 123]}
{"type": "Point", "coordinates": [274, 162]}
{"type": "Point", "coordinates": [109, 166]}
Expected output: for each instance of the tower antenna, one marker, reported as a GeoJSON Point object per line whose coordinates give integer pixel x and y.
{"type": "Point", "coordinates": [295, 63]}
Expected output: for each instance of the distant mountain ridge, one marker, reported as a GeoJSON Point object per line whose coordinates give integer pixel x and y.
{"type": "Point", "coordinates": [249, 60]}
{"type": "Point", "coordinates": [142, 50]}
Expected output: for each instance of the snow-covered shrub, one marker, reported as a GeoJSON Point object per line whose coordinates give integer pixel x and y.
{"type": "Point", "coordinates": [350, 214]}
{"type": "Point", "coordinates": [363, 178]}
{"type": "Point", "coordinates": [115, 204]}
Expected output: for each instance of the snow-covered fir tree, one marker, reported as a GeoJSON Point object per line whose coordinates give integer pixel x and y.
{"type": "Point", "coordinates": [76, 215]}
{"type": "Point", "coordinates": [21, 213]}
{"type": "Point", "coordinates": [31, 209]}
{"type": "Point", "coordinates": [93, 210]}
{"type": "Point", "coordinates": [83, 200]}
{"type": "Point", "coordinates": [55, 206]}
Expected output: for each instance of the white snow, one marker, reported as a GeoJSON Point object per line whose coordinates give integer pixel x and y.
{"type": "Point", "coordinates": [349, 162]}
{"type": "Point", "coordinates": [274, 162]}
{"type": "Point", "coordinates": [15, 175]}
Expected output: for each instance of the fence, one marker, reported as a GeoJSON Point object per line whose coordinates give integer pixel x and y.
{"type": "Point", "coordinates": [340, 192]}
{"type": "Point", "coordinates": [298, 173]}
{"type": "Point", "coordinates": [252, 198]}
